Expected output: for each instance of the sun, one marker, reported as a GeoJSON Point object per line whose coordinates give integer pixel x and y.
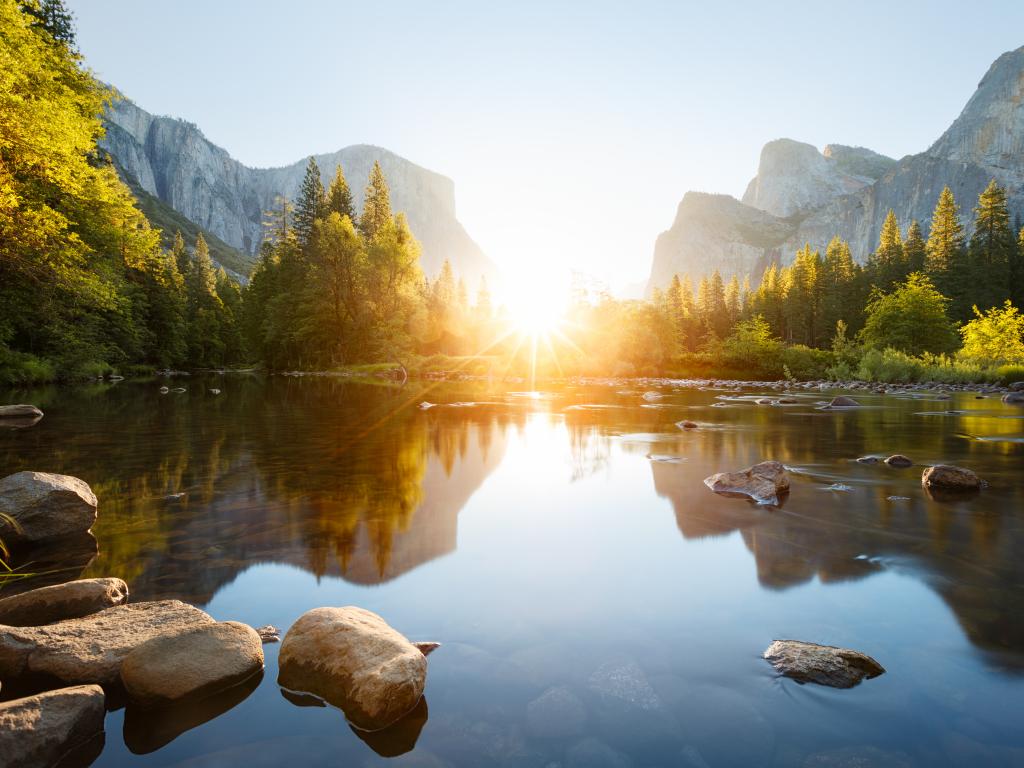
{"type": "Point", "coordinates": [536, 306]}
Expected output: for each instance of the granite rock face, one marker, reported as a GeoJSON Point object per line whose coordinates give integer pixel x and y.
{"type": "Point", "coordinates": [41, 730]}
{"type": "Point", "coordinates": [172, 160]}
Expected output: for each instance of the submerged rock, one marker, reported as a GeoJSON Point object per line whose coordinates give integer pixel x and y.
{"type": "Point", "coordinates": [351, 658]}
{"type": "Point", "coordinates": [821, 664]}
{"type": "Point", "coordinates": [426, 648]}
{"type": "Point", "coordinates": [843, 402]}
{"type": "Point", "coordinates": [71, 600]}
{"type": "Point", "coordinates": [45, 506]}
{"type": "Point", "coordinates": [41, 730]}
{"type": "Point", "coordinates": [20, 411]}
{"type": "Point", "coordinates": [1017, 386]}
{"type": "Point", "coordinates": [557, 713]}
{"type": "Point", "coordinates": [91, 649]}
{"type": "Point", "coordinates": [945, 477]}
{"type": "Point", "coordinates": [764, 482]}
{"type": "Point", "coordinates": [191, 665]}
{"type": "Point", "coordinates": [687, 424]}
{"type": "Point", "coordinates": [867, 460]}
{"type": "Point", "coordinates": [898, 460]}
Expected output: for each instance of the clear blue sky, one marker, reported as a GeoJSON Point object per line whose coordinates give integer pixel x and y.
{"type": "Point", "coordinates": [571, 130]}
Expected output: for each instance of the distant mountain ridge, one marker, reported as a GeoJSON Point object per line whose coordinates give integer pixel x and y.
{"type": "Point", "coordinates": [174, 162]}
{"type": "Point", "coordinates": [800, 195]}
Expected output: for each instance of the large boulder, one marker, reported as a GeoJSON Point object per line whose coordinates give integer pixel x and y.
{"type": "Point", "coordinates": [91, 649]}
{"type": "Point", "coordinates": [191, 665]}
{"type": "Point", "coordinates": [41, 730]}
{"type": "Point", "coordinates": [44, 506]}
{"type": "Point", "coordinates": [20, 411]}
{"type": "Point", "coordinates": [821, 664]}
{"type": "Point", "coordinates": [71, 600]}
{"type": "Point", "coordinates": [764, 482]}
{"type": "Point", "coordinates": [950, 479]}
{"type": "Point", "coordinates": [351, 658]}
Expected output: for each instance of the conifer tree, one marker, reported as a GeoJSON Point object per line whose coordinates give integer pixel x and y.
{"type": "Point", "coordinates": [733, 301]}
{"type": "Point", "coordinates": [1017, 272]}
{"type": "Point", "coordinates": [887, 264]}
{"type": "Point", "coordinates": [718, 314]}
{"type": "Point", "coordinates": [945, 256]}
{"type": "Point", "coordinates": [992, 249]}
{"type": "Point", "coordinates": [484, 309]}
{"type": "Point", "coordinates": [180, 254]}
{"type": "Point", "coordinates": [914, 248]}
{"type": "Point", "coordinates": [376, 204]}
{"type": "Point", "coordinates": [339, 196]}
{"type": "Point", "coordinates": [803, 297]}
{"type": "Point", "coordinates": [205, 309]}
{"type": "Point", "coordinates": [311, 204]}
{"type": "Point", "coordinates": [840, 299]}
{"type": "Point", "coordinates": [675, 305]}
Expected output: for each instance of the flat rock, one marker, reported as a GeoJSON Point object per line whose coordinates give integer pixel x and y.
{"type": "Point", "coordinates": [822, 664]}
{"type": "Point", "coordinates": [843, 402]}
{"type": "Point", "coordinates": [20, 411]}
{"type": "Point", "coordinates": [191, 665]}
{"type": "Point", "coordinates": [945, 477]}
{"type": "Point", "coordinates": [898, 460]}
{"type": "Point", "coordinates": [45, 506]}
{"type": "Point", "coordinates": [352, 659]}
{"type": "Point", "coordinates": [91, 649]}
{"type": "Point", "coordinates": [763, 482]}
{"type": "Point", "coordinates": [40, 730]}
{"type": "Point", "coordinates": [71, 600]}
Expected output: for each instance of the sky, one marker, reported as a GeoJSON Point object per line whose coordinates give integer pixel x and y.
{"type": "Point", "coordinates": [571, 129]}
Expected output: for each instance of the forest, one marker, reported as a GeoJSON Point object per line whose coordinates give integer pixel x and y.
{"type": "Point", "coordinates": [87, 290]}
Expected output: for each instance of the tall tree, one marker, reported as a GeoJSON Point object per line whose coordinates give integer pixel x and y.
{"type": "Point", "coordinates": [914, 251]}
{"type": "Point", "coordinates": [945, 256]}
{"type": "Point", "coordinates": [339, 196]}
{"type": "Point", "coordinates": [311, 203]}
{"type": "Point", "coordinates": [911, 318]}
{"type": "Point", "coordinates": [992, 249]}
{"type": "Point", "coordinates": [887, 265]}
{"type": "Point", "coordinates": [376, 204]}
{"type": "Point", "coordinates": [53, 18]}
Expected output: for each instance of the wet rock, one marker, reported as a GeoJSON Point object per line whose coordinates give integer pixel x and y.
{"type": "Point", "coordinates": [1017, 386]}
{"type": "Point", "coordinates": [351, 658]}
{"type": "Point", "coordinates": [164, 390]}
{"type": "Point", "coordinates": [867, 460]}
{"type": "Point", "coordinates": [898, 460]}
{"type": "Point", "coordinates": [764, 401]}
{"type": "Point", "coordinates": [687, 424]}
{"type": "Point", "coordinates": [71, 600]}
{"type": "Point", "coordinates": [191, 665]}
{"type": "Point", "coordinates": [45, 506]}
{"type": "Point", "coordinates": [269, 634]}
{"type": "Point", "coordinates": [20, 411]}
{"type": "Point", "coordinates": [787, 401]}
{"type": "Point", "coordinates": [625, 682]}
{"type": "Point", "coordinates": [214, 391]}
{"type": "Point", "coordinates": [91, 649]}
{"type": "Point", "coordinates": [843, 402]}
{"type": "Point", "coordinates": [1014, 398]}
{"type": "Point", "coordinates": [945, 477]}
{"type": "Point", "coordinates": [764, 482]}
{"type": "Point", "coordinates": [41, 730]}
{"type": "Point", "coordinates": [426, 648]}
{"type": "Point", "coordinates": [556, 714]}
{"type": "Point", "coordinates": [821, 664]}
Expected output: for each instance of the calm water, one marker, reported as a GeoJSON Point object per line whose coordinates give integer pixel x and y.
{"type": "Point", "coordinates": [596, 604]}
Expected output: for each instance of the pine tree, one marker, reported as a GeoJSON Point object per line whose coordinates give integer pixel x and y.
{"type": "Point", "coordinates": [1017, 272]}
{"type": "Point", "coordinates": [204, 308]}
{"type": "Point", "coordinates": [887, 264]}
{"type": "Point", "coordinates": [946, 258]}
{"type": "Point", "coordinates": [733, 301]}
{"type": "Point", "coordinates": [675, 305]}
{"type": "Point", "coordinates": [52, 17]}
{"type": "Point", "coordinates": [719, 316]}
{"type": "Point", "coordinates": [339, 196]}
{"type": "Point", "coordinates": [914, 248]}
{"type": "Point", "coordinates": [840, 297]}
{"type": "Point", "coordinates": [992, 249]}
{"type": "Point", "coordinates": [311, 204]}
{"type": "Point", "coordinates": [180, 254]}
{"type": "Point", "coordinates": [278, 223]}
{"type": "Point", "coordinates": [376, 204]}
{"type": "Point", "coordinates": [803, 298]}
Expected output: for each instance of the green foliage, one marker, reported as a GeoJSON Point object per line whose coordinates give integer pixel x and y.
{"type": "Point", "coordinates": [888, 265]}
{"type": "Point", "coordinates": [311, 205]}
{"type": "Point", "coordinates": [912, 319]}
{"type": "Point", "coordinates": [992, 249]}
{"type": "Point", "coordinates": [995, 336]}
{"type": "Point", "coordinates": [946, 261]}
{"type": "Point", "coordinates": [895, 367]}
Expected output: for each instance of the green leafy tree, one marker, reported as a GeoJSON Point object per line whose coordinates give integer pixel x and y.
{"type": "Point", "coordinates": [992, 250]}
{"type": "Point", "coordinates": [994, 336]}
{"type": "Point", "coordinates": [911, 318]}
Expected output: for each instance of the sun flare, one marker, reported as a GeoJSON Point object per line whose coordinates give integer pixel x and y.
{"type": "Point", "coordinates": [535, 307]}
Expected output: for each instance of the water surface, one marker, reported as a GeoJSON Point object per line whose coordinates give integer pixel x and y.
{"type": "Point", "coordinates": [597, 605]}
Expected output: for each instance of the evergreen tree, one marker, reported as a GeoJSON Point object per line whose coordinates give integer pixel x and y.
{"type": "Point", "coordinates": [205, 309]}
{"type": "Point", "coordinates": [1017, 272]}
{"type": "Point", "coordinates": [180, 254]}
{"type": "Point", "coordinates": [992, 250]}
{"type": "Point", "coordinates": [339, 196]}
{"type": "Point", "coordinates": [675, 307]}
{"type": "Point", "coordinates": [887, 265]}
{"type": "Point", "coordinates": [484, 309]}
{"type": "Point", "coordinates": [914, 251]}
{"type": "Point", "coordinates": [803, 298]}
{"type": "Point", "coordinates": [278, 222]}
{"type": "Point", "coordinates": [311, 204]}
{"type": "Point", "coordinates": [945, 256]}
{"type": "Point", "coordinates": [840, 297]}
{"type": "Point", "coordinates": [733, 301]}
{"type": "Point", "coordinates": [53, 18]}
{"type": "Point", "coordinates": [376, 205]}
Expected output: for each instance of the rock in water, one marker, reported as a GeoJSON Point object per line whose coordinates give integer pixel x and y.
{"type": "Point", "coordinates": [1014, 398]}
{"type": "Point", "coordinates": [269, 633]}
{"type": "Point", "coordinates": [91, 649]}
{"type": "Point", "coordinates": [45, 506]}
{"type": "Point", "coordinates": [899, 460]}
{"type": "Point", "coordinates": [1017, 386]}
{"type": "Point", "coordinates": [62, 601]}
{"type": "Point", "coordinates": [40, 730]}
{"type": "Point", "coordinates": [822, 664]}
{"type": "Point", "coordinates": [20, 411]}
{"type": "Point", "coordinates": [651, 396]}
{"type": "Point", "coordinates": [351, 658]}
{"type": "Point", "coordinates": [687, 424]}
{"type": "Point", "coordinates": [191, 665]}
{"type": "Point", "coordinates": [763, 482]}
{"type": "Point", "coordinates": [843, 402]}
{"type": "Point", "coordinates": [944, 477]}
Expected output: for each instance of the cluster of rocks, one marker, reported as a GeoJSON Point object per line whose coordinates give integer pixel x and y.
{"type": "Point", "coordinates": [85, 640]}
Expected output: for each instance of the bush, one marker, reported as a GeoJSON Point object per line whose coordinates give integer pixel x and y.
{"type": "Point", "coordinates": [1008, 374]}
{"type": "Point", "coordinates": [894, 367]}
{"type": "Point", "coordinates": [23, 368]}
{"type": "Point", "coordinates": [807, 363]}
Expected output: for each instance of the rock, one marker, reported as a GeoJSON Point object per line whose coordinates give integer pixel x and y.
{"type": "Point", "coordinates": [351, 658]}
{"type": "Point", "coordinates": [651, 396]}
{"type": "Point", "coordinates": [40, 730]}
{"type": "Point", "coordinates": [164, 390]}
{"type": "Point", "coordinates": [556, 714]}
{"type": "Point", "coordinates": [843, 402]}
{"type": "Point", "coordinates": [214, 391]}
{"type": "Point", "coordinates": [269, 634]}
{"type": "Point", "coordinates": [45, 506]}
{"type": "Point", "coordinates": [91, 649]}
{"type": "Point", "coordinates": [763, 482]}
{"type": "Point", "coordinates": [822, 664]}
{"type": "Point", "coordinates": [1017, 386]}
{"type": "Point", "coordinates": [686, 424]}
{"type": "Point", "coordinates": [1014, 398]}
{"type": "Point", "coordinates": [71, 600]}
{"type": "Point", "coordinates": [19, 412]}
{"type": "Point", "coordinates": [899, 460]}
{"type": "Point", "coordinates": [945, 477]}
{"type": "Point", "coordinates": [191, 665]}
{"type": "Point", "coordinates": [427, 648]}
{"type": "Point", "coordinates": [787, 401]}
{"type": "Point", "coordinates": [867, 460]}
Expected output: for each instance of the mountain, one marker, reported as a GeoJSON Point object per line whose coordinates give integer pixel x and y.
{"type": "Point", "coordinates": [172, 161]}
{"type": "Point", "coordinates": [802, 196]}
